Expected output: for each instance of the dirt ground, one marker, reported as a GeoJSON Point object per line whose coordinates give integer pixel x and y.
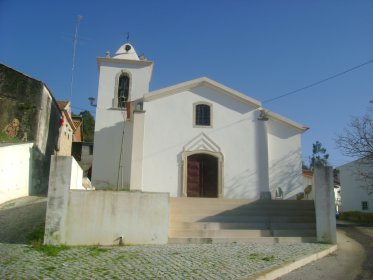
{"type": "Point", "coordinates": [20, 217]}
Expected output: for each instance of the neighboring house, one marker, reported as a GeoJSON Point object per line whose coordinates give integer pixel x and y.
{"type": "Point", "coordinates": [67, 129]}
{"type": "Point", "coordinates": [28, 113]}
{"type": "Point", "coordinates": [82, 151]}
{"type": "Point", "coordinates": [198, 138]}
{"type": "Point", "coordinates": [356, 191]}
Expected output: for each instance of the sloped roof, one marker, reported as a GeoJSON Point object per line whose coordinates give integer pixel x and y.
{"type": "Point", "coordinates": [204, 81]}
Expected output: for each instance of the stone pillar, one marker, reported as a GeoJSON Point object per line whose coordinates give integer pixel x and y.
{"type": "Point", "coordinates": [64, 174]}
{"type": "Point", "coordinates": [262, 156]}
{"type": "Point", "coordinates": [137, 150]}
{"type": "Point", "coordinates": [325, 204]}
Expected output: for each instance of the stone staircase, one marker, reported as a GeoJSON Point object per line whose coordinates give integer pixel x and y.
{"type": "Point", "coordinates": [213, 220]}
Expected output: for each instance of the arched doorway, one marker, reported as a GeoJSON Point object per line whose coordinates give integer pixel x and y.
{"type": "Point", "coordinates": [202, 175]}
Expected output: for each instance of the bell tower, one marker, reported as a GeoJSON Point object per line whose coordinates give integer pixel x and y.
{"type": "Point", "coordinates": [123, 81]}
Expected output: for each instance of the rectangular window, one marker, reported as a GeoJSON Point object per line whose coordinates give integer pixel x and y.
{"type": "Point", "coordinates": [364, 205]}
{"type": "Point", "coordinates": [203, 116]}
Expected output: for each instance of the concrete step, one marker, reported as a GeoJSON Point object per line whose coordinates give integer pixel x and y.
{"type": "Point", "coordinates": [239, 233]}
{"type": "Point", "coordinates": [243, 219]}
{"type": "Point", "coordinates": [223, 233]}
{"type": "Point", "coordinates": [260, 225]}
{"type": "Point", "coordinates": [227, 204]}
{"type": "Point", "coordinates": [211, 220]}
{"type": "Point", "coordinates": [265, 240]}
{"type": "Point", "coordinates": [217, 226]}
{"type": "Point", "coordinates": [243, 211]}
{"type": "Point", "coordinates": [293, 232]}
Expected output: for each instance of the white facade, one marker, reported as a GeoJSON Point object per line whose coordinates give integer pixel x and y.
{"type": "Point", "coordinates": [15, 166]}
{"type": "Point", "coordinates": [251, 152]}
{"type": "Point", "coordinates": [355, 188]}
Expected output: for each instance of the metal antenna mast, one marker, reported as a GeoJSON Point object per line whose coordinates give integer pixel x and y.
{"type": "Point", "coordinates": [78, 19]}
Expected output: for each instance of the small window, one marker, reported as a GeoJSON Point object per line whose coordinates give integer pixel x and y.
{"type": "Point", "coordinates": [91, 149]}
{"type": "Point", "coordinates": [203, 115]}
{"type": "Point", "coordinates": [364, 205]}
{"type": "Point", "coordinates": [123, 90]}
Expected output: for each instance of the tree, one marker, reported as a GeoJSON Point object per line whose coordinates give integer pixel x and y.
{"type": "Point", "coordinates": [88, 126]}
{"type": "Point", "coordinates": [319, 155]}
{"type": "Point", "coordinates": [357, 139]}
{"type": "Point", "coordinates": [357, 142]}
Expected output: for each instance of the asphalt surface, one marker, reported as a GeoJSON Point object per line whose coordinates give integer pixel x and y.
{"type": "Point", "coordinates": [352, 261]}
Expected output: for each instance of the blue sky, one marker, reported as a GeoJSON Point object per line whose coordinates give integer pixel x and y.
{"type": "Point", "coordinates": [261, 48]}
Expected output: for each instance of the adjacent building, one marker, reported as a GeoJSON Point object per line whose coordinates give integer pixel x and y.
{"type": "Point", "coordinates": [356, 193]}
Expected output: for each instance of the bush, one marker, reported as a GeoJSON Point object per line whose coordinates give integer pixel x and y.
{"type": "Point", "coordinates": [355, 216]}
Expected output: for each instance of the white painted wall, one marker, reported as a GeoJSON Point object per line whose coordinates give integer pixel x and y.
{"type": "Point", "coordinates": [15, 168]}
{"type": "Point", "coordinates": [285, 163]}
{"type": "Point", "coordinates": [353, 188]}
{"type": "Point", "coordinates": [77, 217]}
{"type": "Point", "coordinates": [110, 120]}
{"type": "Point", "coordinates": [169, 127]}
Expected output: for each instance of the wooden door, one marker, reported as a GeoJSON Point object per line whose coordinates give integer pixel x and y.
{"type": "Point", "coordinates": [202, 177]}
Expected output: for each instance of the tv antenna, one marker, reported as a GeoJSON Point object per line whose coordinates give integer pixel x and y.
{"type": "Point", "coordinates": [75, 40]}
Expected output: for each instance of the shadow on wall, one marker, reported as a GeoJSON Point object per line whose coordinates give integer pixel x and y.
{"type": "Point", "coordinates": [39, 172]}
{"type": "Point", "coordinates": [285, 175]}
{"type": "Point", "coordinates": [222, 100]}
{"type": "Point", "coordinates": [280, 131]}
{"type": "Point", "coordinates": [243, 185]}
{"type": "Point", "coordinates": [106, 156]}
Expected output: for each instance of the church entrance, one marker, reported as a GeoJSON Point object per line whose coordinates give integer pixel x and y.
{"type": "Point", "coordinates": [202, 175]}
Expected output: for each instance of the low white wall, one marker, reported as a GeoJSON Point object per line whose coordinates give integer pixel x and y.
{"type": "Point", "coordinates": [101, 217]}
{"type": "Point", "coordinates": [15, 163]}
{"type": "Point", "coordinates": [77, 217]}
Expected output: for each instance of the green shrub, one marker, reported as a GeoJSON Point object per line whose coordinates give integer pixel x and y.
{"type": "Point", "coordinates": [356, 216]}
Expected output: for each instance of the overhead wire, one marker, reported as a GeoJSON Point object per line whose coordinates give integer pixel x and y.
{"type": "Point", "coordinates": [318, 82]}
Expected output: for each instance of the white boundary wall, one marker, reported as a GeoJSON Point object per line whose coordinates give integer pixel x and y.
{"type": "Point", "coordinates": [15, 171]}
{"type": "Point", "coordinates": [77, 217]}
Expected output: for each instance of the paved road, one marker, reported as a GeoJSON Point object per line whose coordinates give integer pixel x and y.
{"type": "Point", "coordinates": [352, 261]}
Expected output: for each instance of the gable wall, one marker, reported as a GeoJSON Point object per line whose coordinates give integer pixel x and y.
{"type": "Point", "coordinates": [354, 187]}
{"type": "Point", "coordinates": [284, 156]}
{"type": "Point", "coordinates": [169, 127]}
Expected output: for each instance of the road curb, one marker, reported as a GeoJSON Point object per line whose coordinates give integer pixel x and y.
{"type": "Point", "coordinates": [283, 269]}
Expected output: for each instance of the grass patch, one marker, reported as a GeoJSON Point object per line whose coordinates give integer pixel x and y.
{"type": "Point", "coordinates": [355, 216]}
{"type": "Point", "coordinates": [37, 235]}
{"type": "Point", "coordinates": [50, 268]}
{"type": "Point", "coordinates": [128, 256]}
{"type": "Point", "coordinates": [268, 258]}
{"type": "Point", "coordinates": [49, 250]}
{"type": "Point", "coordinates": [257, 256]}
{"type": "Point", "coordinates": [96, 250]}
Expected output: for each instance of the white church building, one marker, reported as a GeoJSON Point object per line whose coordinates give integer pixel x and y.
{"type": "Point", "coordinates": [194, 139]}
